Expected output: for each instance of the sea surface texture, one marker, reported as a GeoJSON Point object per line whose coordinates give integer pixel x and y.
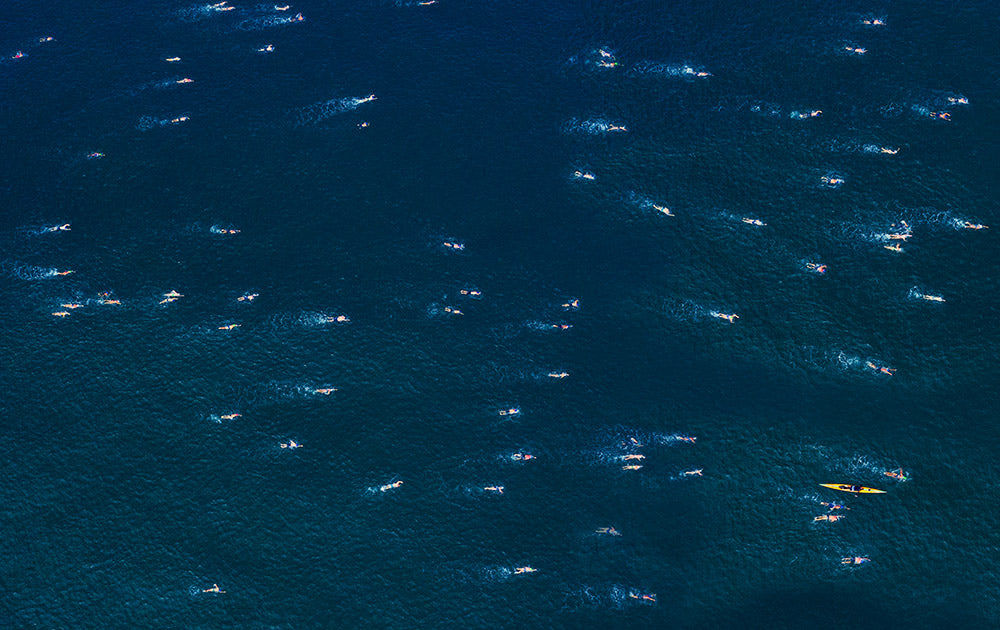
{"type": "Point", "coordinates": [499, 314]}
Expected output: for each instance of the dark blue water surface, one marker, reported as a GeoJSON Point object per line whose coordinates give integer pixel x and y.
{"type": "Point", "coordinates": [124, 495]}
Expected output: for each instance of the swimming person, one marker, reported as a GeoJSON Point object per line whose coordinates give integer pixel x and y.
{"type": "Point", "coordinates": [855, 561]}
{"type": "Point", "coordinates": [326, 391]}
{"type": "Point", "coordinates": [833, 518]}
{"type": "Point", "coordinates": [453, 311]}
{"type": "Point", "coordinates": [646, 597]}
{"type": "Point", "coordinates": [266, 49]}
{"type": "Point", "coordinates": [693, 473]}
{"type": "Point", "coordinates": [834, 506]}
{"type": "Point", "coordinates": [59, 228]}
{"type": "Point", "coordinates": [631, 467]}
{"type": "Point", "coordinates": [497, 489]}
{"type": "Point", "coordinates": [185, 80]}
{"type": "Point", "coordinates": [573, 304]}
{"type": "Point", "coordinates": [71, 306]}
{"type": "Point", "coordinates": [229, 327]}
{"type": "Point", "coordinates": [61, 314]}
{"type": "Point", "coordinates": [172, 59]}
{"type": "Point", "coordinates": [897, 474]}
{"type": "Point", "coordinates": [894, 248]}
{"type": "Point", "coordinates": [888, 151]}
{"type": "Point", "coordinates": [729, 318]}
{"type": "Point", "coordinates": [291, 444]}
{"type": "Point", "coordinates": [339, 319]}
{"type": "Point", "coordinates": [932, 298]}
{"type": "Point", "coordinates": [215, 589]}
{"type": "Point", "coordinates": [390, 486]}
{"type": "Point", "coordinates": [940, 115]}
{"type": "Point", "coordinates": [617, 128]}
{"type": "Point", "coordinates": [229, 416]}
{"type": "Point", "coordinates": [884, 370]}
{"type": "Point", "coordinates": [471, 292]}
{"type": "Point", "coordinates": [64, 273]}
{"type": "Point", "coordinates": [610, 531]}
{"type": "Point", "coordinates": [633, 457]}
{"type": "Point", "coordinates": [582, 175]}
{"type": "Point", "coordinates": [454, 245]}
{"type": "Point", "coordinates": [522, 457]}
{"type": "Point", "coordinates": [249, 297]}
{"type": "Point", "coordinates": [513, 411]}
{"type": "Point", "coordinates": [179, 119]}
{"type": "Point", "coordinates": [558, 374]}
{"type": "Point", "coordinates": [562, 326]}
{"type": "Point", "coordinates": [750, 221]}
{"type": "Point", "coordinates": [684, 438]}
{"type": "Point", "coordinates": [974, 226]}
{"type": "Point", "coordinates": [520, 570]}
{"type": "Point", "coordinates": [817, 267]}
{"type": "Point", "coordinates": [367, 99]}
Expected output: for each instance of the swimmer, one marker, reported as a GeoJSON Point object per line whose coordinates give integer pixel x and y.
{"type": "Point", "coordinates": [732, 317]}
{"type": "Point", "coordinates": [249, 297]}
{"type": "Point", "coordinates": [665, 210]}
{"type": "Point", "coordinates": [520, 570]}
{"type": "Point", "coordinates": [179, 119]}
{"type": "Point", "coordinates": [230, 327]}
{"type": "Point", "coordinates": [18, 55]}
{"type": "Point", "coordinates": [96, 155]}
{"type": "Point", "coordinates": [605, 53]}
{"type": "Point", "coordinates": [884, 370]}
{"type": "Point", "coordinates": [958, 100]}
{"type": "Point", "coordinates": [230, 416]}
{"type": "Point", "coordinates": [64, 273]}
{"type": "Point", "coordinates": [974, 226]}
{"type": "Point", "coordinates": [646, 597]}
{"type": "Point", "coordinates": [455, 246]}
{"type": "Point", "coordinates": [59, 228]}
{"type": "Point", "coordinates": [110, 302]}
{"type": "Point", "coordinates": [832, 181]}
{"type": "Point", "coordinates": [610, 531]}
{"type": "Point", "coordinates": [818, 268]}
{"type": "Point", "coordinates": [856, 51]}
{"type": "Point", "coordinates": [573, 304]}
{"type": "Point", "coordinates": [832, 518]}
{"type": "Point", "coordinates": [834, 506]}
{"type": "Point", "coordinates": [71, 306]}
{"type": "Point", "coordinates": [172, 59]}
{"type": "Point", "coordinates": [390, 486]}
{"type": "Point", "coordinates": [522, 457]}
{"type": "Point", "coordinates": [894, 248]}
{"type": "Point", "coordinates": [683, 438]}
{"type": "Point", "coordinates": [632, 467]}
{"type": "Point", "coordinates": [558, 374]}
{"type": "Point", "coordinates": [291, 444]}
{"type": "Point", "coordinates": [339, 319]}
{"type": "Point", "coordinates": [215, 589]}
{"type": "Point", "coordinates": [932, 298]}
{"type": "Point", "coordinates": [42, 40]}
{"type": "Point", "coordinates": [266, 49]}
{"type": "Point", "coordinates": [582, 175]}
{"type": "Point", "coordinates": [513, 411]}
{"type": "Point", "coordinates": [897, 474]}
{"type": "Point", "coordinates": [61, 314]}
{"type": "Point", "coordinates": [694, 473]}
{"type": "Point", "coordinates": [367, 99]}
{"type": "Point", "coordinates": [606, 64]}
{"type": "Point", "coordinates": [562, 326]}
{"type": "Point", "coordinates": [750, 221]}
{"type": "Point", "coordinates": [453, 311]}
{"type": "Point", "coordinates": [471, 292]}
{"type": "Point", "coordinates": [497, 489]}
{"type": "Point", "coordinates": [633, 456]}
{"type": "Point", "coordinates": [426, 3]}
{"type": "Point", "coordinates": [940, 115]}
{"type": "Point", "coordinates": [185, 80]}
{"type": "Point", "coordinates": [284, 8]}
{"type": "Point", "coordinates": [632, 442]}
{"type": "Point", "coordinates": [617, 128]}
{"type": "Point", "coordinates": [873, 22]}
{"type": "Point", "coordinates": [812, 114]}
{"type": "Point", "coordinates": [855, 561]}
{"type": "Point", "coordinates": [326, 391]}
{"type": "Point", "coordinates": [888, 151]}
{"type": "Point", "coordinates": [299, 18]}
{"type": "Point", "coordinates": [168, 300]}
{"type": "Point", "coordinates": [898, 237]}
{"type": "Point", "coordinates": [363, 125]}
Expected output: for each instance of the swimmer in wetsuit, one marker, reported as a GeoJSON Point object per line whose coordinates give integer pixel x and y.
{"type": "Point", "coordinates": [884, 370]}
{"type": "Point", "coordinates": [610, 531]}
{"type": "Point", "coordinates": [266, 49]}
{"type": "Point", "coordinates": [291, 444]}
{"type": "Point", "coordinates": [471, 292]}
{"type": "Point", "coordinates": [818, 268]}
{"type": "Point", "coordinates": [562, 326]}
{"type": "Point", "coordinates": [665, 210]}
{"type": "Point", "coordinates": [834, 506]}
{"type": "Point", "coordinates": [573, 304]}
{"type": "Point", "coordinates": [59, 228]}
{"type": "Point", "coordinates": [340, 319]}
{"type": "Point", "coordinates": [513, 411]}
{"type": "Point", "coordinates": [750, 221]}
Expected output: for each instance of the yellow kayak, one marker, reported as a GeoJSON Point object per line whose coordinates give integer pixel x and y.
{"type": "Point", "coordinates": [843, 487]}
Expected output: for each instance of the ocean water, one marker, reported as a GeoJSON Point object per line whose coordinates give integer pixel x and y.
{"type": "Point", "coordinates": [124, 495]}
